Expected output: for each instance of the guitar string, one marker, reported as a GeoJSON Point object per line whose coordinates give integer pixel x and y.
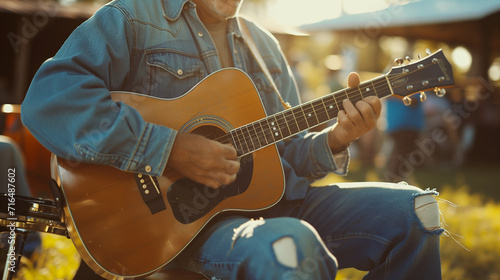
{"type": "Point", "coordinates": [302, 120]}
{"type": "Point", "coordinates": [319, 107]}
{"type": "Point", "coordinates": [323, 114]}
{"type": "Point", "coordinates": [351, 93]}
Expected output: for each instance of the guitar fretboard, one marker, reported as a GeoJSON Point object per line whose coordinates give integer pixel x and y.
{"type": "Point", "coordinates": [259, 134]}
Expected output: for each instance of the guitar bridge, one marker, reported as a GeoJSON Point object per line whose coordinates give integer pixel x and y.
{"type": "Point", "coordinates": [150, 192]}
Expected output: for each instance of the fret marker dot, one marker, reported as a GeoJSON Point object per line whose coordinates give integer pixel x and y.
{"type": "Point", "coordinates": [367, 89]}
{"type": "Point", "coordinates": [272, 123]}
{"type": "Point", "coordinates": [331, 107]}
{"type": "Point", "coordinates": [276, 134]}
{"type": "Point", "coordinates": [309, 115]}
{"type": "Point", "coordinates": [274, 128]}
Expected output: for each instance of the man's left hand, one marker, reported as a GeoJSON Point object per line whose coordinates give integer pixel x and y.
{"type": "Point", "coordinates": [355, 120]}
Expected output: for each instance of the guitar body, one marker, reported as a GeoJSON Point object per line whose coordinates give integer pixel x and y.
{"type": "Point", "coordinates": [116, 232]}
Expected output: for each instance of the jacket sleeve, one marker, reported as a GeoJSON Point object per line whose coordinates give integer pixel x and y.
{"type": "Point", "coordinates": [308, 152]}
{"type": "Point", "coordinates": [68, 107]}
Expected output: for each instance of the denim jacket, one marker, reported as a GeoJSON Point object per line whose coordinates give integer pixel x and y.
{"type": "Point", "coordinates": [158, 48]}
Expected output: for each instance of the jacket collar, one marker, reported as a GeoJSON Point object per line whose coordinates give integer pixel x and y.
{"type": "Point", "coordinates": [172, 8]}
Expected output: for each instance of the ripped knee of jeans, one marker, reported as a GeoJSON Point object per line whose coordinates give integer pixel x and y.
{"type": "Point", "coordinates": [427, 210]}
{"type": "Point", "coordinates": [285, 251]}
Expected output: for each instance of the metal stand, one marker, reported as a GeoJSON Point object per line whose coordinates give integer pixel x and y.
{"type": "Point", "coordinates": [30, 215]}
{"type": "Point", "coordinates": [14, 254]}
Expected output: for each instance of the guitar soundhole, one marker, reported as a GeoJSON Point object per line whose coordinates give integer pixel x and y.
{"type": "Point", "coordinates": [191, 201]}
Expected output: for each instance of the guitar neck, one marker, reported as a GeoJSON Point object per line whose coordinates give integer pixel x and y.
{"type": "Point", "coordinates": [259, 134]}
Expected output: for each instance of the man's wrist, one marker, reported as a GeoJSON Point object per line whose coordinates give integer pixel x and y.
{"type": "Point", "coordinates": [340, 149]}
{"type": "Point", "coordinates": [335, 145]}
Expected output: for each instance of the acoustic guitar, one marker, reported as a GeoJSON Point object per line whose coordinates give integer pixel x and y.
{"type": "Point", "coordinates": [127, 225]}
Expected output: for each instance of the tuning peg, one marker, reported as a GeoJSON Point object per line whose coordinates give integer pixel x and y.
{"type": "Point", "coordinates": [407, 101]}
{"type": "Point", "coordinates": [398, 61]}
{"type": "Point", "coordinates": [423, 96]}
{"type": "Point", "coordinates": [419, 56]}
{"type": "Point", "coordinates": [408, 58]}
{"type": "Point", "coordinates": [440, 92]}
{"type": "Point", "coordinates": [428, 51]}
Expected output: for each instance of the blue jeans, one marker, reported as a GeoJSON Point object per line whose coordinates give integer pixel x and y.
{"type": "Point", "coordinates": [374, 229]}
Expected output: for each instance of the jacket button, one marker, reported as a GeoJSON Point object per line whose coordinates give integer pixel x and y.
{"type": "Point", "coordinates": [180, 72]}
{"type": "Point", "coordinates": [200, 34]}
{"type": "Point", "coordinates": [148, 168]}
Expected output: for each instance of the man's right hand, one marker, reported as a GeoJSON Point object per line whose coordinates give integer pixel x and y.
{"type": "Point", "coordinates": [203, 160]}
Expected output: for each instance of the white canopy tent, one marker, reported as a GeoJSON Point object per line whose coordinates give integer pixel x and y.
{"type": "Point", "coordinates": [413, 13]}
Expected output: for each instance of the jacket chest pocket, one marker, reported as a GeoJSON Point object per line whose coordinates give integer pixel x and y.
{"type": "Point", "coordinates": [172, 74]}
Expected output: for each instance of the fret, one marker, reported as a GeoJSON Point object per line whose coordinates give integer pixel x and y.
{"type": "Point", "coordinates": [239, 135]}
{"type": "Point", "coordinates": [337, 104]}
{"type": "Point", "coordinates": [346, 95]}
{"type": "Point", "coordinates": [256, 130]}
{"type": "Point", "coordinates": [354, 96]}
{"type": "Point", "coordinates": [374, 88]}
{"type": "Point", "coordinates": [326, 109]}
{"type": "Point", "coordinates": [315, 106]}
{"type": "Point", "coordinates": [366, 89]}
{"type": "Point", "coordinates": [235, 143]}
{"type": "Point", "coordinates": [267, 130]}
{"type": "Point", "coordinates": [389, 88]}
{"type": "Point", "coordinates": [320, 112]}
{"type": "Point", "coordinates": [293, 126]}
{"type": "Point", "coordinates": [332, 106]}
{"type": "Point", "coordinates": [248, 138]}
{"type": "Point", "coordinates": [274, 128]}
{"type": "Point", "coordinates": [252, 136]}
{"type": "Point", "coordinates": [357, 96]}
{"type": "Point", "coordinates": [308, 114]}
{"type": "Point", "coordinates": [243, 136]}
{"type": "Point", "coordinates": [360, 92]}
{"type": "Point", "coordinates": [300, 117]}
{"type": "Point", "coordinates": [283, 125]}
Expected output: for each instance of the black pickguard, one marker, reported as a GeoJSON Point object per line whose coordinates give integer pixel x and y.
{"type": "Point", "coordinates": [190, 201]}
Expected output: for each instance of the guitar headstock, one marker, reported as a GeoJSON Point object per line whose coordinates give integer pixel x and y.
{"type": "Point", "coordinates": [429, 73]}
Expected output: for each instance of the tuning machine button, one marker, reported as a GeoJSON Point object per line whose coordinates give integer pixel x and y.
{"type": "Point", "coordinates": [423, 96]}
{"type": "Point", "coordinates": [440, 92]}
{"type": "Point", "coordinates": [407, 101]}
